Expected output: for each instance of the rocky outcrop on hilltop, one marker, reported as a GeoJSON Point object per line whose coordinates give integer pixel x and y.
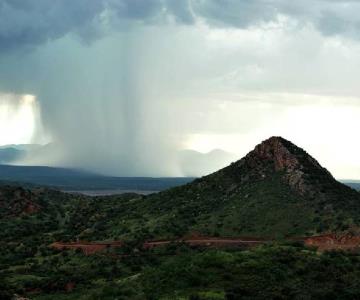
{"type": "Point", "coordinates": [284, 155]}
{"type": "Point", "coordinates": [298, 169]}
{"type": "Point", "coordinates": [277, 154]}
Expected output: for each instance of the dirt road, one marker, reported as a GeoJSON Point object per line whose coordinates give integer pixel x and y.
{"type": "Point", "coordinates": [89, 248]}
{"type": "Point", "coordinates": [322, 242]}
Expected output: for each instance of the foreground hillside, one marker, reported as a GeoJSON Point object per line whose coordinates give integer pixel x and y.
{"type": "Point", "coordinates": [277, 192]}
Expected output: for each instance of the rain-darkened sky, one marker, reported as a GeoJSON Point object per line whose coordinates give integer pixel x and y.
{"type": "Point", "coordinates": [121, 86]}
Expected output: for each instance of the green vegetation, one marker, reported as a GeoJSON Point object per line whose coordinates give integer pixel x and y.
{"type": "Point", "coordinates": [29, 267]}
{"type": "Point", "coordinates": [275, 192]}
{"type": "Point", "coordinates": [267, 272]}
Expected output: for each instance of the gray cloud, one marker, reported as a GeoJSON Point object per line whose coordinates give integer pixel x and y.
{"type": "Point", "coordinates": [26, 23]}
{"type": "Point", "coordinates": [181, 10]}
{"type": "Point", "coordinates": [236, 13]}
{"type": "Point", "coordinates": [330, 17]}
{"type": "Point", "coordinates": [123, 104]}
{"type": "Point", "coordinates": [136, 9]}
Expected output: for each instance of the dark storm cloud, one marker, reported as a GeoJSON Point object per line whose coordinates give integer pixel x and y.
{"type": "Point", "coordinates": [33, 22]}
{"type": "Point", "coordinates": [236, 13]}
{"type": "Point", "coordinates": [330, 17]}
{"type": "Point", "coordinates": [136, 9]}
{"type": "Point", "coordinates": [181, 10]}
{"type": "Point", "coordinates": [27, 23]}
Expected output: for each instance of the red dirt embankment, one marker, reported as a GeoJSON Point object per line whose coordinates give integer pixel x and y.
{"type": "Point", "coordinates": [322, 242]}
{"type": "Point", "coordinates": [206, 241]}
{"type": "Point", "coordinates": [89, 248]}
{"type": "Point", "coordinates": [333, 242]}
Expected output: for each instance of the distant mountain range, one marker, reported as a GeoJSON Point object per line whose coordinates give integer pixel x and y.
{"type": "Point", "coordinates": [10, 154]}
{"type": "Point", "coordinates": [191, 163]}
{"type": "Point", "coordinates": [77, 180]}
{"type": "Point", "coordinates": [355, 184]}
{"type": "Point", "coordinates": [195, 164]}
{"type": "Point", "coordinates": [13, 153]}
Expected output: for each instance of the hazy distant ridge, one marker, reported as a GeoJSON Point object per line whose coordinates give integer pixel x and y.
{"type": "Point", "coordinates": [69, 179]}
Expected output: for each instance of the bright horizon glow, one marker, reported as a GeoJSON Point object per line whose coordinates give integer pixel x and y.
{"type": "Point", "coordinates": [18, 117]}
{"type": "Point", "coordinates": [322, 129]}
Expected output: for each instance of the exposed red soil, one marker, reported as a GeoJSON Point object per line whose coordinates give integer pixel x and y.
{"type": "Point", "coordinates": [206, 241]}
{"type": "Point", "coordinates": [322, 242]}
{"type": "Point", "coordinates": [334, 242]}
{"type": "Point", "coordinates": [69, 287]}
{"type": "Point", "coordinates": [16, 202]}
{"type": "Point", "coordinates": [89, 248]}
{"type": "Point", "coordinates": [33, 291]}
{"type": "Point", "coordinates": [31, 208]}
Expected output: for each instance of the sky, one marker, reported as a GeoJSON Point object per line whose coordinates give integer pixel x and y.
{"type": "Point", "coordinates": [121, 87]}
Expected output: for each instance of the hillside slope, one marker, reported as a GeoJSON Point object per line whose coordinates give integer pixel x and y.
{"type": "Point", "coordinates": [276, 190]}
